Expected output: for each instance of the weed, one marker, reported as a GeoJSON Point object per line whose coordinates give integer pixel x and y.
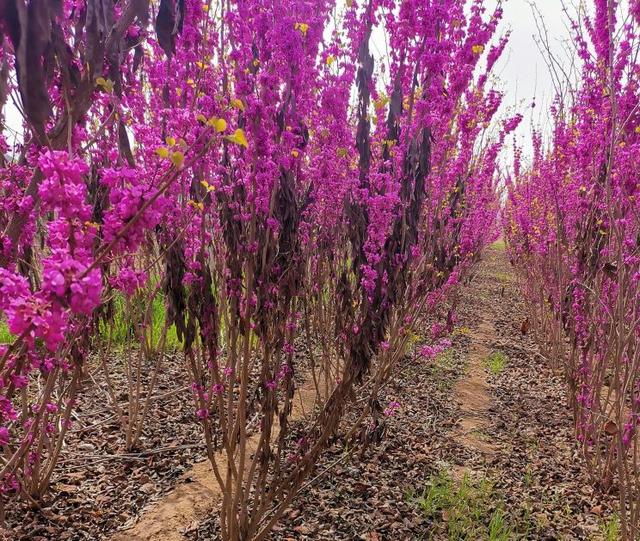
{"type": "Point", "coordinates": [462, 331]}
{"type": "Point", "coordinates": [503, 277]}
{"type": "Point", "coordinates": [442, 367]}
{"type": "Point", "coordinates": [499, 528]}
{"type": "Point", "coordinates": [465, 510]}
{"type": "Point", "coordinates": [496, 362]}
{"type": "Point", "coordinates": [5, 336]}
{"type": "Point", "coordinates": [414, 338]}
{"type": "Point", "coordinates": [528, 477]}
{"type": "Point", "coordinates": [120, 329]}
{"type": "Point", "coordinates": [444, 361]}
{"type": "Point", "coordinates": [499, 245]}
{"type": "Point", "coordinates": [409, 494]}
{"type": "Point", "coordinates": [610, 528]}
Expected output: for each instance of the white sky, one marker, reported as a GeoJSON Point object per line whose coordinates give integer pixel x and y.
{"type": "Point", "coordinates": [523, 71]}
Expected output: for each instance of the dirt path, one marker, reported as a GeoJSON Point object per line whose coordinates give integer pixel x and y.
{"type": "Point", "coordinates": [473, 394]}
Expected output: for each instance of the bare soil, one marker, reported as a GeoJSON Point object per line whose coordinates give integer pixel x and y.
{"type": "Point", "coordinates": [473, 394]}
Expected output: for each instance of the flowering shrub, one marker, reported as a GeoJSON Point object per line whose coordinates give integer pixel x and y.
{"type": "Point", "coordinates": [298, 206]}
{"type": "Point", "coordinates": [572, 224]}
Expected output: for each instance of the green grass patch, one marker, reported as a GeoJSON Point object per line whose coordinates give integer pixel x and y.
{"type": "Point", "coordinates": [159, 315]}
{"type": "Point", "coordinates": [499, 244]}
{"type": "Point", "coordinates": [120, 328]}
{"type": "Point", "coordinates": [5, 336]}
{"type": "Point", "coordinates": [503, 277]}
{"type": "Point", "coordinates": [610, 528]}
{"type": "Point", "coordinates": [468, 510]}
{"type": "Point", "coordinates": [496, 362]}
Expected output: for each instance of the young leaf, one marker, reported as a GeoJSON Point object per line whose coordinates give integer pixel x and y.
{"type": "Point", "coordinates": [177, 159]}
{"type": "Point", "coordinates": [238, 138]}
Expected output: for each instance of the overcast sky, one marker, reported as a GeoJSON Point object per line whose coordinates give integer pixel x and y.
{"type": "Point", "coordinates": [523, 72]}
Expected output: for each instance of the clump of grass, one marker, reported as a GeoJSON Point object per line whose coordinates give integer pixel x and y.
{"type": "Point", "coordinates": [499, 244]}
{"type": "Point", "coordinates": [5, 336]}
{"type": "Point", "coordinates": [496, 362]}
{"type": "Point", "coordinates": [610, 528]}
{"type": "Point", "coordinates": [466, 510]}
{"type": "Point", "coordinates": [442, 369]}
{"type": "Point", "coordinates": [528, 477]}
{"type": "Point", "coordinates": [503, 277]}
{"type": "Point", "coordinates": [462, 331]}
{"type": "Point", "coordinates": [159, 315]}
{"type": "Point", "coordinates": [120, 330]}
